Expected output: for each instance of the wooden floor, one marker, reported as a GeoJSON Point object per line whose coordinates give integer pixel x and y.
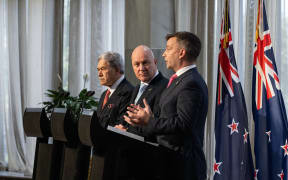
{"type": "Point", "coordinates": [5, 175]}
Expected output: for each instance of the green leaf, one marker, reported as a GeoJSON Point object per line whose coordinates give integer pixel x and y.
{"type": "Point", "coordinates": [47, 103]}
{"type": "Point", "coordinates": [50, 95]}
{"type": "Point", "coordinates": [62, 99]}
{"type": "Point", "coordinates": [83, 93]}
{"type": "Point", "coordinates": [52, 91]}
{"type": "Point", "coordinates": [93, 103]}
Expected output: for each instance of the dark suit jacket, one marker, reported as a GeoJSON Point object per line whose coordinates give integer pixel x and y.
{"type": "Point", "coordinates": [112, 114]}
{"type": "Point", "coordinates": [152, 95]}
{"type": "Point", "coordinates": [138, 163]}
{"type": "Point", "coordinates": [181, 124]}
{"type": "Point", "coordinates": [115, 108]}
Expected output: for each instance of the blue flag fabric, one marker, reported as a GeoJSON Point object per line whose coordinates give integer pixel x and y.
{"type": "Point", "coordinates": [233, 159]}
{"type": "Point", "coordinates": [271, 132]}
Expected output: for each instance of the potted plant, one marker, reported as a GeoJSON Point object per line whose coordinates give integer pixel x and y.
{"type": "Point", "coordinates": [75, 107]}
{"type": "Point", "coordinates": [64, 127]}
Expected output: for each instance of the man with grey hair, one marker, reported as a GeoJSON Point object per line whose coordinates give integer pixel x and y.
{"type": "Point", "coordinates": [114, 100]}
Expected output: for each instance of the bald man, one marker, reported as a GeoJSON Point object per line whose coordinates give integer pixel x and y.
{"type": "Point", "coordinates": [183, 106]}
{"type": "Point", "coordinates": [152, 83]}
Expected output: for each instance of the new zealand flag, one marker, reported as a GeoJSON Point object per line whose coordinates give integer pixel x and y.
{"type": "Point", "coordinates": [233, 159]}
{"type": "Point", "coordinates": [271, 132]}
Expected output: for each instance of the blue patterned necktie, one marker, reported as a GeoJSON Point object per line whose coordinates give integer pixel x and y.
{"type": "Point", "coordinates": [140, 92]}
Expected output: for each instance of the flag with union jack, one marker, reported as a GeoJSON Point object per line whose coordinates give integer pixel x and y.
{"type": "Point", "coordinates": [271, 132]}
{"type": "Point", "coordinates": [233, 158]}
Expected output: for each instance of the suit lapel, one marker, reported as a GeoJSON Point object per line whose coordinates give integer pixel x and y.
{"type": "Point", "coordinates": [149, 89]}
{"type": "Point", "coordinates": [144, 94]}
{"type": "Point", "coordinates": [113, 96]}
{"type": "Point", "coordinates": [99, 109]}
{"type": "Point", "coordinates": [135, 92]}
{"type": "Point", "coordinates": [172, 86]}
{"type": "Point", "coordinates": [176, 83]}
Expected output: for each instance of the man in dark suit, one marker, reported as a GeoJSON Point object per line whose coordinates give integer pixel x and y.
{"type": "Point", "coordinates": [114, 100]}
{"type": "Point", "coordinates": [113, 103]}
{"type": "Point", "coordinates": [152, 83]}
{"type": "Point", "coordinates": [183, 110]}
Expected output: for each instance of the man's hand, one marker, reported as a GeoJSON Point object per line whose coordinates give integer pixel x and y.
{"type": "Point", "coordinates": [121, 127]}
{"type": "Point", "coordinates": [138, 116]}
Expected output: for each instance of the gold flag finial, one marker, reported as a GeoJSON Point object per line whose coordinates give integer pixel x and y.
{"type": "Point", "coordinates": [258, 20]}
{"type": "Point", "coordinates": [226, 25]}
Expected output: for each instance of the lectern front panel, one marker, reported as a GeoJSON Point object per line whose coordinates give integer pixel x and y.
{"type": "Point", "coordinates": [84, 129]}
{"type": "Point", "coordinates": [57, 124]}
{"type": "Point", "coordinates": [31, 122]}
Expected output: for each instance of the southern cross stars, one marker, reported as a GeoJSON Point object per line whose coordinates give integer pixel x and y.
{"type": "Point", "coordinates": [285, 147]}
{"type": "Point", "coordinates": [281, 175]}
{"type": "Point", "coordinates": [216, 167]}
{"type": "Point", "coordinates": [269, 135]}
{"type": "Point", "coordinates": [245, 136]}
{"type": "Point", "coordinates": [255, 174]}
{"type": "Point", "coordinates": [233, 127]}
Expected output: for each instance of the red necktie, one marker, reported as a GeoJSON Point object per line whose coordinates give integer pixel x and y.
{"type": "Point", "coordinates": [106, 98]}
{"type": "Point", "coordinates": [174, 76]}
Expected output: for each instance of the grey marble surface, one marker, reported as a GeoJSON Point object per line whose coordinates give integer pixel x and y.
{"type": "Point", "coordinates": [162, 22]}
{"type": "Point", "coordinates": [137, 23]}
{"type": "Point", "coordinates": [147, 22]}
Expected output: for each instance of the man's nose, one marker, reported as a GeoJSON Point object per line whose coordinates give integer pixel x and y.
{"type": "Point", "coordinates": [142, 67]}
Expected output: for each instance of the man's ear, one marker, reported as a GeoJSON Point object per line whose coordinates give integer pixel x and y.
{"type": "Point", "coordinates": [155, 61]}
{"type": "Point", "coordinates": [118, 70]}
{"type": "Point", "coordinates": [182, 53]}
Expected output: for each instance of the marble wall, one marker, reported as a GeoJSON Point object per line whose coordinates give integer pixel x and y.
{"type": "Point", "coordinates": [147, 22]}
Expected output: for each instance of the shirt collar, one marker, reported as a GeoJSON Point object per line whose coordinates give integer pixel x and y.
{"type": "Point", "coordinates": [184, 69]}
{"type": "Point", "coordinates": [115, 85]}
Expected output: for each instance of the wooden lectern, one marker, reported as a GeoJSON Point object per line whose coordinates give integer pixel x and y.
{"type": "Point", "coordinates": [113, 142]}
{"type": "Point", "coordinates": [68, 155]}
{"type": "Point", "coordinates": [36, 124]}
{"type": "Point", "coordinates": [62, 158]}
{"type": "Point", "coordinates": [75, 156]}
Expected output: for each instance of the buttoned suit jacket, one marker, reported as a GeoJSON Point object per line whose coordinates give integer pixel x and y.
{"type": "Point", "coordinates": [180, 127]}
{"type": "Point", "coordinates": [113, 111]}
{"type": "Point", "coordinates": [152, 95]}
{"type": "Point", "coordinates": [140, 163]}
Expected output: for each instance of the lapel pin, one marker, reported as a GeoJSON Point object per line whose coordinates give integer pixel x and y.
{"type": "Point", "coordinates": [110, 106]}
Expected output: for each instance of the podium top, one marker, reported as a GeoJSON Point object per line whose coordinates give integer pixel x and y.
{"type": "Point", "coordinates": [36, 123]}
{"type": "Point", "coordinates": [125, 133]}
{"type": "Point", "coordinates": [130, 135]}
{"type": "Point", "coordinates": [60, 110]}
{"type": "Point", "coordinates": [33, 110]}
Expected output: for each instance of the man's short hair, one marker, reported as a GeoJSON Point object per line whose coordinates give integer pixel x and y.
{"type": "Point", "coordinates": [114, 59]}
{"type": "Point", "coordinates": [190, 41]}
